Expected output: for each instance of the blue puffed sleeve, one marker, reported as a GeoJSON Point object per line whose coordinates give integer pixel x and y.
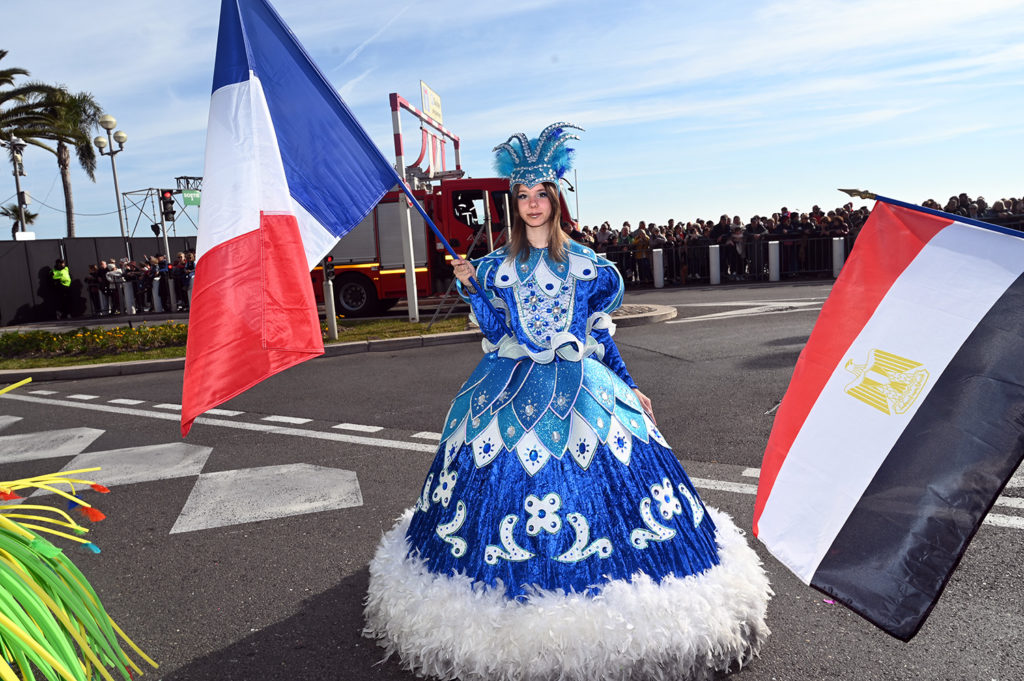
{"type": "Point", "coordinates": [493, 326]}
{"type": "Point", "coordinates": [606, 297]}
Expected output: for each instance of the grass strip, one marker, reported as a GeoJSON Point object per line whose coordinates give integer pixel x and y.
{"type": "Point", "coordinates": [38, 349]}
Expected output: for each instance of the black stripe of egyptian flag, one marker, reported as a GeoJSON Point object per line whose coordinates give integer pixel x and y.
{"type": "Point", "coordinates": [900, 545]}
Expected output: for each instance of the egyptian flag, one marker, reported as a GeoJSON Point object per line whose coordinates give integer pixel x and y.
{"type": "Point", "coordinates": [288, 172]}
{"type": "Point", "coordinates": [904, 418]}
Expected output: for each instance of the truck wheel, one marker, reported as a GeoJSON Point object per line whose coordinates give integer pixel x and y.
{"type": "Point", "coordinates": [355, 296]}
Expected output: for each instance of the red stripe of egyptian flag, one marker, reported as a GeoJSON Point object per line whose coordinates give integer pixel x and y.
{"type": "Point", "coordinates": [241, 334]}
{"type": "Point", "coordinates": [904, 538]}
{"type": "Point", "coordinates": [880, 257]}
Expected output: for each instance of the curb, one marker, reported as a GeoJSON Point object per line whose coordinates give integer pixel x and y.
{"type": "Point", "coordinates": [634, 315]}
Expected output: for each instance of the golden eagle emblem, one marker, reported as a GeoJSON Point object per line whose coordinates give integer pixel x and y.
{"type": "Point", "coordinates": [887, 382]}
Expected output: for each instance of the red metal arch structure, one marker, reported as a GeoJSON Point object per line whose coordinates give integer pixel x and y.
{"type": "Point", "coordinates": [432, 148]}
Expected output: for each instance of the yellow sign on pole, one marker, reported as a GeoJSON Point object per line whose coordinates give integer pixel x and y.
{"type": "Point", "coordinates": [431, 102]}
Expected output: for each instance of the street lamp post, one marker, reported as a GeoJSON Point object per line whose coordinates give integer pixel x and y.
{"type": "Point", "coordinates": [108, 123]}
{"type": "Point", "coordinates": [16, 147]}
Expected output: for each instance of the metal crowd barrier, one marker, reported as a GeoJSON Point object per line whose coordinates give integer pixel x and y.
{"type": "Point", "coordinates": [753, 259]}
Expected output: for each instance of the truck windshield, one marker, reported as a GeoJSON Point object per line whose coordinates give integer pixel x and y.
{"type": "Point", "coordinates": [468, 207]}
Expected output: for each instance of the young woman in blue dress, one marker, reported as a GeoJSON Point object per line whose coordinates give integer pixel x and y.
{"type": "Point", "coordinates": [556, 535]}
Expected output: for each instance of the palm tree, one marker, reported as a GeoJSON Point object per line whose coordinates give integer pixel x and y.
{"type": "Point", "coordinates": [72, 118]}
{"type": "Point", "coordinates": [36, 112]}
{"type": "Point", "coordinates": [20, 106]}
{"type": "Point", "coordinates": [11, 211]}
{"type": "Point", "coordinates": [21, 112]}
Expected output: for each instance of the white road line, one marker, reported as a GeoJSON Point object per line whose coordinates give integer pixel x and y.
{"type": "Point", "coordinates": [427, 435]}
{"type": "Point", "coordinates": [172, 407]}
{"type": "Point", "coordinates": [751, 312]}
{"type": "Point", "coordinates": [755, 303]}
{"type": "Point", "coordinates": [223, 412]}
{"type": "Point", "coordinates": [359, 428]}
{"type": "Point", "coordinates": [1016, 481]}
{"type": "Point", "coordinates": [239, 425]}
{"type": "Point", "coordinates": [751, 472]}
{"type": "Point", "coordinates": [1014, 522]}
{"type": "Point", "coordinates": [294, 420]}
{"type": "Point", "coordinates": [996, 519]}
{"type": "Point", "coordinates": [124, 400]}
{"type": "Point", "coordinates": [42, 392]}
{"type": "Point", "coordinates": [83, 397]}
{"type": "Point", "coordinates": [724, 486]}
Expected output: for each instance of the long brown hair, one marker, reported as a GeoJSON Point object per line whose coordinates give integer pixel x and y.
{"type": "Point", "coordinates": [519, 246]}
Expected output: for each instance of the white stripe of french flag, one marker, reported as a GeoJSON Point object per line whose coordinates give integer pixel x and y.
{"type": "Point", "coordinates": [253, 313]}
{"type": "Point", "coordinates": [288, 172]}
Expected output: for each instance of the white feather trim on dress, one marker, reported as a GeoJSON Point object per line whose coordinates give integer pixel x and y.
{"type": "Point", "coordinates": [448, 627]}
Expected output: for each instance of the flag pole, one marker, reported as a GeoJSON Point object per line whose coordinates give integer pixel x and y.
{"type": "Point", "coordinates": [871, 196]}
{"type": "Point", "coordinates": [451, 251]}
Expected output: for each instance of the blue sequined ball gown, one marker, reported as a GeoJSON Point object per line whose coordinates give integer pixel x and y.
{"type": "Point", "coordinates": [556, 535]}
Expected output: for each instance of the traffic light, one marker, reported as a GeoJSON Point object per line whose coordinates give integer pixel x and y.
{"type": "Point", "coordinates": [329, 266]}
{"type": "Point", "coordinates": [167, 204]}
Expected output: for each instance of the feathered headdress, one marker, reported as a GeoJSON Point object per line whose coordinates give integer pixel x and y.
{"type": "Point", "coordinates": [544, 159]}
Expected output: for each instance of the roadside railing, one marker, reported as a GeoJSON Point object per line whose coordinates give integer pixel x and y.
{"type": "Point", "coordinates": [753, 259]}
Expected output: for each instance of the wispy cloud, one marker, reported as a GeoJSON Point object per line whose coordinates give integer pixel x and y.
{"type": "Point", "coordinates": [744, 99]}
{"type": "Point", "coordinates": [362, 46]}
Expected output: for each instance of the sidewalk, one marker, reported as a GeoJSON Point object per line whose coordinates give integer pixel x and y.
{"type": "Point", "coordinates": [627, 315]}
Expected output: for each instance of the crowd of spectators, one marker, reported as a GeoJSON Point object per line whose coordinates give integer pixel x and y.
{"type": "Point", "coordinates": [979, 209]}
{"type": "Point", "coordinates": [804, 237]}
{"type": "Point", "coordinates": [123, 286]}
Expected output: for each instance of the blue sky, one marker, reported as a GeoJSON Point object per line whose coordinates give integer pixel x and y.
{"type": "Point", "coordinates": [691, 109]}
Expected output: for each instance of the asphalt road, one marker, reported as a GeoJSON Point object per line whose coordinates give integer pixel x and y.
{"type": "Point", "coordinates": [241, 553]}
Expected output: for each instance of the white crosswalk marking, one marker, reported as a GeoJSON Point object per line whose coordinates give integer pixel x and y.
{"type": "Point", "coordinates": [83, 397]}
{"type": "Point", "coordinates": [171, 407]}
{"type": "Point", "coordinates": [223, 412]}
{"type": "Point", "coordinates": [125, 401]}
{"type": "Point", "coordinates": [48, 445]}
{"type": "Point", "coordinates": [217, 499]}
{"type": "Point", "coordinates": [142, 464]}
{"type": "Point", "coordinates": [427, 435]}
{"type": "Point", "coordinates": [8, 420]}
{"type": "Point", "coordinates": [1010, 502]}
{"type": "Point", "coordinates": [1013, 521]}
{"type": "Point", "coordinates": [42, 392]}
{"type": "Point", "coordinates": [253, 494]}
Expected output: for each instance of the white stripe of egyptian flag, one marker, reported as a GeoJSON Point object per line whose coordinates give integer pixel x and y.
{"type": "Point", "coordinates": [904, 418]}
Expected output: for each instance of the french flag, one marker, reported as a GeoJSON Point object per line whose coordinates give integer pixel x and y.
{"type": "Point", "coordinates": [904, 418]}
{"type": "Point", "coordinates": [288, 172]}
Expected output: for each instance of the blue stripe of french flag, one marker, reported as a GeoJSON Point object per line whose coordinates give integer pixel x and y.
{"type": "Point", "coordinates": [288, 172]}
{"type": "Point", "coordinates": [904, 418]}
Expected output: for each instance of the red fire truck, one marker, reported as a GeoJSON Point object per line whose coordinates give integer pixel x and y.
{"type": "Point", "coordinates": [368, 261]}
